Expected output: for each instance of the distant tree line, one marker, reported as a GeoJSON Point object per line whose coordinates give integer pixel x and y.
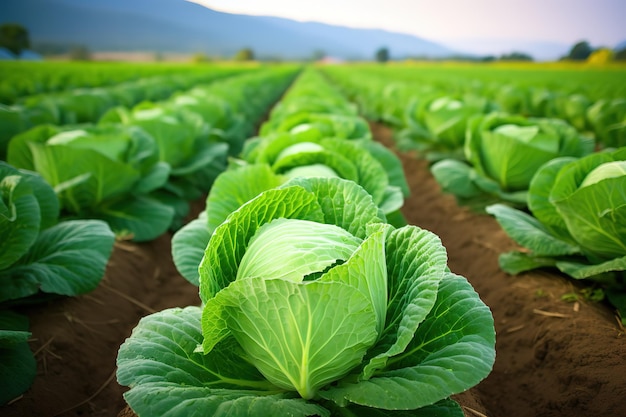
{"type": "Point", "coordinates": [15, 38]}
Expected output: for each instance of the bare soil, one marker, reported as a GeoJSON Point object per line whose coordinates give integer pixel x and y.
{"type": "Point", "coordinates": [554, 358]}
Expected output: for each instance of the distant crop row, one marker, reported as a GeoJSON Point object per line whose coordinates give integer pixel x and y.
{"type": "Point", "coordinates": [21, 79]}
{"type": "Point", "coordinates": [430, 105]}
{"type": "Point", "coordinates": [88, 105]}
{"type": "Point", "coordinates": [550, 165]}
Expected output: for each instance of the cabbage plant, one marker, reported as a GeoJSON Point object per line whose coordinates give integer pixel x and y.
{"type": "Point", "coordinates": [578, 222]}
{"type": "Point", "coordinates": [100, 172]}
{"type": "Point", "coordinates": [436, 126]}
{"type": "Point", "coordinates": [312, 305]}
{"type": "Point", "coordinates": [608, 119]}
{"type": "Point", "coordinates": [503, 153]}
{"type": "Point", "coordinates": [39, 255]}
{"type": "Point", "coordinates": [323, 124]}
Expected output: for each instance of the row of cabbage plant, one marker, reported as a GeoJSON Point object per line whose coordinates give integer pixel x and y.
{"type": "Point", "coordinates": [52, 242]}
{"type": "Point", "coordinates": [87, 105]}
{"type": "Point", "coordinates": [311, 302]}
{"type": "Point", "coordinates": [137, 169]}
{"type": "Point", "coordinates": [430, 113]}
{"type": "Point", "coordinates": [19, 79]}
{"type": "Point", "coordinates": [555, 191]}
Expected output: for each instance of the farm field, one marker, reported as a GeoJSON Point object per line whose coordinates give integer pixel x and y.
{"type": "Point", "coordinates": [557, 351]}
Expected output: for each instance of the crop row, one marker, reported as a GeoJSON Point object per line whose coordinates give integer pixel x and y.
{"type": "Point", "coordinates": [68, 192]}
{"type": "Point", "coordinates": [21, 79]}
{"type": "Point", "coordinates": [88, 105]}
{"type": "Point", "coordinates": [429, 110]}
{"type": "Point", "coordinates": [557, 191]}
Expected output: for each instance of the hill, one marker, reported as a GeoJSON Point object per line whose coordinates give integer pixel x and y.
{"type": "Point", "coordinates": [184, 27]}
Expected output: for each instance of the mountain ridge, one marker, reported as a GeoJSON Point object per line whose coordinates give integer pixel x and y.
{"type": "Point", "coordinates": [181, 26]}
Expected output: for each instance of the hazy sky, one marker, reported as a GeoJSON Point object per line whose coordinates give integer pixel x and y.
{"type": "Point", "coordinates": [601, 22]}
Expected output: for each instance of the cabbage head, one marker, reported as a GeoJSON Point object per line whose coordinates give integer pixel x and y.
{"type": "Point", "coordinates": [436, 126]}
{"type": "Point", "coordinates": [313, 305]}
{"type": "Point", "coordinates": [504, 152]}
{"type": "Point", "coordinates": [578, 221]}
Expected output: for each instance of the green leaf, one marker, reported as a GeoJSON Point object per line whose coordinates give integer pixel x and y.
{"type": "Point", "coordinates": [175, 132]}
{"type": "Point", "coordinates": [155, 399]}
{"type": "Point", "coordinates": [515, 262]}
{"type": "Point", "coordinates": [539, 197]}
{"type": "Point", "coordinates": [292, 249]}
{"type": "Point", "coordinates": [13, 329]}
{"type": "Point", "coordinates": [230, 240]}
{"type": "Point", "coordinates": [416, 261]}
{"type": "Point", "coordinates": [342, 165]}
{"type": "Point", "coordinates": [343, 203]}
{"type": "Point", "coordinates": [168, 376]}
{"type": "Point", "coordinates": [235, 187]}
{"type": "Point", "coordinates": [453, 350]}
{"type": "Point", "coordinates": [301, 336]}
{"type": "Point", "coordinates": [69, 259]}
{"type": "Point", "coordinates": [20, 216]}
{"type": "Point", "coordinates": [366, 271]}
{"type": "Point", "coordinates": [144, 217]}
{"type": "Point", "coordinates": [155, 178]}
{"type": "Point", "coordinates": [107, 178]}
{"type": "Point", "coordinates": [19, 154]}
{"type": "Point", "coordinates": [209, 154]}
{"type": "Point", "coordinates": [371, 173]}
{"type": "Point", "coordinates": [392, 201]}
{"type": "Point", "coordinates": [17, 363]}
{"type": "Point", "coordinates": [390, 162]}
{"type": "Point", "coordinates": [596, 217]}
{"type": "Point", "coordinates": [443, 408]}
{"type": "Point", "coordinates": [45, 195]}
{"type": "Point", "coordinates": [512, 161]}
{"type": "Point", "coordinates": [12, 122]}
{"type": "Point", "coordinates": [581, 270]}
{"type": "Point", "coordinates": [455, 177]}
{"type": "Point", "coordinates": [530, 233]}
{"type": "Point", "coordinates": [188, 246]}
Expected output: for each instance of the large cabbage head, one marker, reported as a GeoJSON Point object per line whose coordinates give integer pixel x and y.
{"type": "Point", "coordinates": [314, 286]}
{"type": "Point", "coordinates": [586, 199]}
{"type": "Point", "coordinates": [510, 149]}
{"type": "Point", "coordinates": [446, 118]}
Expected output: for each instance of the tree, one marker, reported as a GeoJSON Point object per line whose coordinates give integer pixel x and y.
{"type": "Point", "coordinates": [14, 37]}
{"type": "Point", "coordinates": [580, 51]}
{"type": "Point", "coordinates": [382, 54]}
{"type": "Point", "coordinates": [245, 54]}
{"type": "Point", "coordinates": [620, 55]}
{"type": "Point", "coordinates": [516, 56]}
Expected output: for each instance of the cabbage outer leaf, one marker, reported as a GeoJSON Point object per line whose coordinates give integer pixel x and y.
{"type": "Point", "coordinates": [301, 336]}
{"type": "Point", "coordinates": [168, 377]}
{"type": "Point", "coordinates": [17, 363]}
{"type": "Point", "coordinates": [69, 259]}
{"type": "Point", "coordinates": [452, 350]}
{"type": "Point", "coordinates": [530, 232]}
